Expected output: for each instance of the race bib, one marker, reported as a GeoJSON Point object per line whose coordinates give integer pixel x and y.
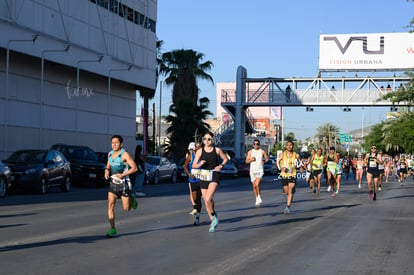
{"type": "Point", "coordinates": [202, 174]}
{"type": "Point", "coordinates": [372, 163]}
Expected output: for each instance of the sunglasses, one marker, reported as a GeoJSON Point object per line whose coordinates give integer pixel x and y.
{"type": "Point", "coordinates": [256, 143]}
{"type": "Point", "coordinates": [373, 148]}
{"type": "Point", "coordinates": [208, 139]}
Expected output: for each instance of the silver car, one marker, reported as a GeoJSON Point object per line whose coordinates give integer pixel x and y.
{"type": "Point", "coordinates": [159, 169]}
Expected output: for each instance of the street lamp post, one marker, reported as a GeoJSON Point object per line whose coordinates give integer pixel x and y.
{"type": "Point", "coordinates": [42, 70]}
{"type": "Point", "coordinates": [77, 91]}
{"type": "Point", "coordinates": [6, 98]}
{"type": "Point", "coordinates": [109, 98]}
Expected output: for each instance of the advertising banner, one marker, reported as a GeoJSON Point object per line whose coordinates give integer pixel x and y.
{"type": "Point", "coordinates": [373, 51]}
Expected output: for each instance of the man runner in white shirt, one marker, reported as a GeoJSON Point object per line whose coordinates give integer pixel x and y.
{"type": "Point", "coordinates": [256, 157]}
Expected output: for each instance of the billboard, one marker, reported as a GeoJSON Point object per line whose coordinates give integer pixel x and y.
{"type": "Point", "coordinates": [374, 51]}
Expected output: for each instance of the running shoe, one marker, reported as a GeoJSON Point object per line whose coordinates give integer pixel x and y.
{"type": "Point", "coordinates": [257, 204]}
{"type": "Point", "coordinates": [379, 188]}
{"type": "Point", "coordinates": [259, 199]}
{"type": "Point", "coordinates": [314, 191]}
{"type": "Point", "coordinates": [359, 186]}
{"type": "Point", "coordinates": [333, 194]}
{"type": "Point", "coordinates": [111, 233]}
{"type": "Point", "coordinates": [329, 189]}
{"type": "Point", "coordinates": [193, 212]}
{"type": "Point", "coordinates": [197, 219]}
{"type": "Point", "coordinates": [370, 194]}
{"type": "Point", "coordinates": [287, 210]}
{"type": "Point", "coordinates": [134, 202]}
{"type": "Point", "coordinates": [213, 224]}
{"type": "Point", "coordinates": [375, 197]}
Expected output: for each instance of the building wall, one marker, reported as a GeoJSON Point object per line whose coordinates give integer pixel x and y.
{"type": "Point", "coordinates": [36, 113]}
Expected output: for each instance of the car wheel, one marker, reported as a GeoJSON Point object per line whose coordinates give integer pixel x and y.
{"type": "Point", "coordinates": [66, 184]}
{"type": "Point", "coordinates": [43, 185]}
{"type": "Point", "coordinates": [3, 187]}
{"type": "Point", "coordinates": [174, 176]}
{"type": "Point", "coordinates": [156, 178]}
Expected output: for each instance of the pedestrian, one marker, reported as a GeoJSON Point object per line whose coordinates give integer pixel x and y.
{"type": "Point", "coordinates": [309, 174]}
{"type": "Point", "coordinates": [118, 168]}
{"type": "Point", "coordinates": [381, 170]}
{"type": "Point", "coordinates": [287, 163]}
{"type": "Point", "coordinates": [256, 157]}
{"type": "Point", "coordinates": [139, 159]}
{"type": "Point", "coordinates": [371, 161]}
{"type": "Point", "coordinates": [207, 158]}
{"type": "Point", "coordinates": [347, 166]}
{"type": "Point", "coordinates": [193, 182]}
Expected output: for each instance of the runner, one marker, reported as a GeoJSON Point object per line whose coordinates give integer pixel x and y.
{"type": "Point", "coordinates": [403, 169]}
{"type": "Point", "coordinates": [347, 166]}
{"type": "Point", "coordinates": [118, 167]}
{"type": "Point", "coordinates": [387, 167]}
{"type": "Point", "coordinates": [288, 173]}
{"type": "Point", "coordinates": [309, 174]}
{"type": "Point", "coordinates": [329, 161]}
{"type": "Point", "coordinates": [256, 157]}
{"type": "Point", "coordinates": [207, 159]}
{"type": "Point", "coordinates": [372, 160]}
{"type": "Point", "coordinates": [193, 183]}
{"type": "Point", "coordinates": [381, 170]}
{"type": "Point", "coordinates": [360, 164]}
{"type": "Point", "coordinates": [338, 173]}
{"type": "Point", "coordinates": [317, 163]}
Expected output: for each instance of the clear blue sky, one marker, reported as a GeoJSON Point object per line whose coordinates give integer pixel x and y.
{"type": "Point", "coordinates": [275, 39]}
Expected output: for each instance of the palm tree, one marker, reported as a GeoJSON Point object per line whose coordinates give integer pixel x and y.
{"type": "Point", "coordinates": [182, 69]}
{"type": "Point", "coordinates": [186, 118]}
{"type": "Point", "coordinates": [327, 135]}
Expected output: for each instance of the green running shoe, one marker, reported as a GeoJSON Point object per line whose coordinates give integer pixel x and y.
{"type": "Point", "coordinates": [134, 202]}
{"type": "Point", "coordinates": [111, 233]}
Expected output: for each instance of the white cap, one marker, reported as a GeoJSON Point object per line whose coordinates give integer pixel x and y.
{"type": "Point", "coordinates": [191, 146]}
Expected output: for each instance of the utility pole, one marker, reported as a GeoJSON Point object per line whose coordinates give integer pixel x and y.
{"type": "Point", "coordinates": [153, 127]}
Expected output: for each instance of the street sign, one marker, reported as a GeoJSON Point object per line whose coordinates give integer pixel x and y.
{"type": "Point", "coordinates": [345, 138]}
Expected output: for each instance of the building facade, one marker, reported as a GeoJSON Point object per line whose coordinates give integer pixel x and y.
{"type": "Point", "coordinates": [69, 71]}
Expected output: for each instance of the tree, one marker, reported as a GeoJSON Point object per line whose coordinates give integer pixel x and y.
{"type": "Point", "coordinates": [182, 69]}
{"type": "Point", "coordinates": [327, 135]}
{"type": "Point", "coordinates": [186, 118]}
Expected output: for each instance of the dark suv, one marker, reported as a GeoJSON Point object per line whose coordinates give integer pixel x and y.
{"type": "Point", "coordinates": [84, 163]}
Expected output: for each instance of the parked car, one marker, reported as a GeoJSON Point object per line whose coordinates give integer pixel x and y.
{"type": "Point", "coordinates": [84, 163]}
{"type": "Point", "coordinates": [269, 167]}
{"type": "Point", "coordinates": [229, 170]}
{"type": "Point", "coordinates": [5, 179]}
{"type": "Point", "coordinates": [102, 156]}
{"type": "Point", "coordinates": [243, 168]}
{"type": "Point", "coordinates": [158, 169]}
{"type": "Point", "coordinates": [39, 170]}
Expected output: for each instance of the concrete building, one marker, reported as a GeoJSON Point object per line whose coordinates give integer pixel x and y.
{"type": "Point", "coordinates": [69, 71]}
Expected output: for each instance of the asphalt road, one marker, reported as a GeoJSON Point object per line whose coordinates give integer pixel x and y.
{"type": "Point", "coordinates": [64, 233]}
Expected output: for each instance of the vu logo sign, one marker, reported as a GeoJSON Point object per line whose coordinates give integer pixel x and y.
{"type": "Point", "coordinates": [364, 40]}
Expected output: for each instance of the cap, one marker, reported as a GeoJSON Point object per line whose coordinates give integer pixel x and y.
{"type": "Point", "coordinates": [191, 146]}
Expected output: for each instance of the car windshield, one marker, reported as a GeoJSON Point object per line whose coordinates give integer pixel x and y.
{"type": "Point", "coordinates": [153, 160]}
{"type": "Point", "coordinates": [27, 157]}
{"type": "Point", "coordinates": [82, 153]}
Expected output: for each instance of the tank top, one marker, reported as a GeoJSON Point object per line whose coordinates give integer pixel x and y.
{"type": "Point", "coordinates": [372, 164]}
{"type": "Point", "coordinates": [190, 166]}
{"type": "Point", "coordinates": [117, 165]}
{"type": "Point", "coordinates": [211, 159]}
{"type": "Point", "coordinates": [289, 163]}
{"type": "Point", "coordinates": [331, 164]}
{"type": "Point", "coordinates": [317, 162]}
{"type": "Point", "coordinates": [258, 163]}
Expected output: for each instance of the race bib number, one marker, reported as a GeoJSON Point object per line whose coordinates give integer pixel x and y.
{"type": "Point", "coordinates": [257, 174]}
{"type": "Point", "coordinates": [202, 174]}
{"type": "Point", "coordinates": [372, 163]}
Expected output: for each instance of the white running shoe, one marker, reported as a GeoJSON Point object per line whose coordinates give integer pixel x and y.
{"type": "Point", "coordinates": [259, 199]}
{"type": "Point", "coordinates": [193, 212]}
{"type": "Point", "coordinates": [359, 186]}
{"type": "Point", "coordinates": [329, 189]}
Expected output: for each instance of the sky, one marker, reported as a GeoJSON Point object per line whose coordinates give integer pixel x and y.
{"type": "Point", "coordinates": [272, 38]}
